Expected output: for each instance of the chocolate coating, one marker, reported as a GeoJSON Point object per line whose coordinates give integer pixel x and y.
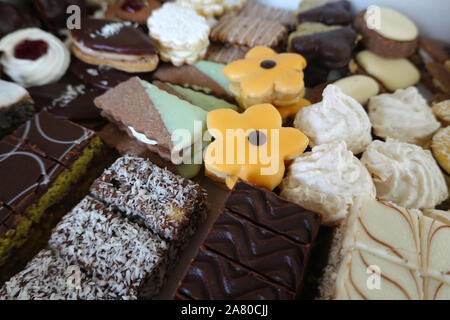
{"type": "Point", "coordinates": [126, 40]}
{"type": "Point", "coordinates": [13, 18]}
{"type": "Point", "coordinates": [213, 277]}
{"type": "Point", "coordinates": [256, 231]}
{"type": "Point", "coordinates": [273, 212]}
{"type": "Point", "coordinates": [103, 77]}
{"type": "Point", "coordinates": [329, 49]}
{"type": "Point", "coordinates": [268, 253]}
{"type": "Point", "coordinates": [331, 13]}
{"type": "Point", "coordinates": [77, 107]}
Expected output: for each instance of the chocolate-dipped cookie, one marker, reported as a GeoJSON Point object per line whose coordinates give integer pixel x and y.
{"type": "Point", "coordinates": [331, 13]}
{"type": "Point", "coordinates": [115, 44]}
{"type": "Point", "coordinates": [387, 32]}
{"type": "Point", "coordinates": [326, 46]}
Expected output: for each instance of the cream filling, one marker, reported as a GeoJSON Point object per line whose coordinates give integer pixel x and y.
{"type": "Point", "coordinates": [141, 137]}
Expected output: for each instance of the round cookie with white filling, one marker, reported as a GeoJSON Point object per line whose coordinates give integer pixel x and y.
{"type": "Point", "coordinates": [387, 32]}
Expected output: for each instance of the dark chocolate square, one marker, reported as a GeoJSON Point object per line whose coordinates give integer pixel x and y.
{"type": "Point", "coordinates": [273, 212]}
{"type": "Point", "coordinates": [23, 172]}
{"type": "Point", "coordinates": [270, 254]}
{"type": "Point", "coordinates": [213, 277]}
{"type": "Point", "coordinates": [59, 140]}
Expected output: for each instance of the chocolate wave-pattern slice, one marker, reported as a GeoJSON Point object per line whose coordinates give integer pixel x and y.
{"type": "Point", "coordinates": [212, 276]}
{"type": "Point", "coordinates": [273, 212]}
{"type": "Point", "coordinates": [259, 249]}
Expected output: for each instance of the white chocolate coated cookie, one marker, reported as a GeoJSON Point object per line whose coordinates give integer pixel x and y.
{"type": "Point", "coordinates": [403, 115]}
{"type": "Point", "coordinates": [48, 68]}
{"type": "Point", "coordinates": [392, 73]}
{"type": "Point", "coordinates": [390, 24]}
{"type": "Point", "coordinates": [405, 174]}
{"type": "Point", "coordinates": [327, 180]}
{"type": "Point", "coordinates": [337, 117]}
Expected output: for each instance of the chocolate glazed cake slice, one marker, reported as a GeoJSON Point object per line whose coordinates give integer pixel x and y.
{"type": "Point", "coordinates": [259, 232]}
{"type": "Point", "coordinates": [41, 163]}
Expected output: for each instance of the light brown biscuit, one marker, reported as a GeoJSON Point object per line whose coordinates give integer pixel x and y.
{"type": "Point", "coordinates": [441, 77]}
{"type": "Point", "coordinates": [254, 9]}
{"type": "Point", "coordinates": [224, 54]}
{"type": "Point", "coordinates": [248, 32]}
{"type": "Point", "coordinates": [436, 50]}
{"type": "Point", "coordinates": [144, 63]}
{"type": "Point", "coordinates": [386, 48]}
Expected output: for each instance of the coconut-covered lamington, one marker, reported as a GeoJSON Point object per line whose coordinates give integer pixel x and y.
{"type": "Point", "coordinates": [16, 106]}
{"type": "Point", "coordinates": [122, 256]}
{"type": "Point", "coordinates": [167, 204]}
{"type": "Point", "coordinates": [49, 277]}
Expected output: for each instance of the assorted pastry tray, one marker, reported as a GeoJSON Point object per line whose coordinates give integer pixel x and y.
{"type": "Point", "coordinates": [222, 149]}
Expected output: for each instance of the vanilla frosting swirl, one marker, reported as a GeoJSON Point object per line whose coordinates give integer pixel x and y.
{"type": "Point", "coordinates": [403, 115]}
{"type": "Point", "coordinates": [327, 180]}
{"type": "Point", "coordinates": [336, 118]}
{"type": "Point", "coordinates": [48, 68]}
{"type": "Point", "coordinates": [11, 93]}
{"type": "Point", "coordinates": [405, 174]}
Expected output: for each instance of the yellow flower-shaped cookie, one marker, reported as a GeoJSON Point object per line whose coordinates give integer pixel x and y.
{"type": "Point", "coordinates": [251, 145]}
{"type": "Point", "coordinates": [265, 76]}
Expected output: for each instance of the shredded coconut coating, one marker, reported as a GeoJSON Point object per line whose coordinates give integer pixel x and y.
{"type": "Point", "coordinates": [169, 205]}
{"type": "Point", "coordinates": [120, 255]}
{"type": "Point", "coordinates": [48, 277]}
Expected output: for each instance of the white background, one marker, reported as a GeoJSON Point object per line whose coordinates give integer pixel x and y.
{"type": "Point", "coordinates": [431, 16]}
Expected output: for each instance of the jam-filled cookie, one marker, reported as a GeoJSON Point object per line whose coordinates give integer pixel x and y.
{"type": "Point", "coordinates": [267, 77]}
{"type": "Point", "coordinates": [132, 10]}
{"type": "Point", "coordinates": [33, 57]}
{"type": "Point", "coordinates": [251, 145]}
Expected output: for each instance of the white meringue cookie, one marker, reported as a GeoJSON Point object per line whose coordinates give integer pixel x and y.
{"type": "Point", "coordinates": [403, 115]}
{"type": "Point", "coordinates": [11, 93]}
{"type": "Point", "coordinates": [405, 174]}
{"type": "Point", "coordinates": [48, 68]}
{"type": "Point", "coordinates": [327, 180]}
{"type": "Point", "coordinates": [336, 118]}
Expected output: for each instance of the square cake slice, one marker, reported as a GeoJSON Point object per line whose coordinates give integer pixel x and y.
{"type": "Point", "coordinates": [49, 277]}
{"type": "Point", "coordinates": [167, 204]}
{"type": "Point", "coordinates": [252, 233]}
{"type": "Point", "coordinates": [213, 277]}
{"type": "Point", "coordinates": [16, 106]}
{"type": "Point", "coordinates": [120, 255]}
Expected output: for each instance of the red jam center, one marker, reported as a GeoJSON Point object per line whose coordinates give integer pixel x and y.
{"type": "Point", "coordinates": [133, 5]}
{"type": "Point", "coordinates": [30, 49]}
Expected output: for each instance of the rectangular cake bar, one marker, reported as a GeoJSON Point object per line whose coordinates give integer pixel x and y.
{"type": "Point", "coordinates": [257, 231]}
{"type": "Point", "coordinates": [409, 251]}
{"type": "Point", "coordinates": [167, 204]}
{"type": "Point", "coordinates": [120, 255]}
{"type": "Point", "coordinates": [49, 277]}
{"type": "Point", "coordinates": [41, 163]}
{"type": "Point", "coordinates": [213, 277]}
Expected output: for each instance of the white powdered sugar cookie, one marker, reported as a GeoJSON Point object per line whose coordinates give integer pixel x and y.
{"type": "Point", "coordinates": [180, 33]}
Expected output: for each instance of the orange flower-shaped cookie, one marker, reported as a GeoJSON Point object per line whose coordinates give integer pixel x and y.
{"type": "Point", "coordinates": [251, 145]}
{"type": "Point", "coordinates": [265, 76]}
